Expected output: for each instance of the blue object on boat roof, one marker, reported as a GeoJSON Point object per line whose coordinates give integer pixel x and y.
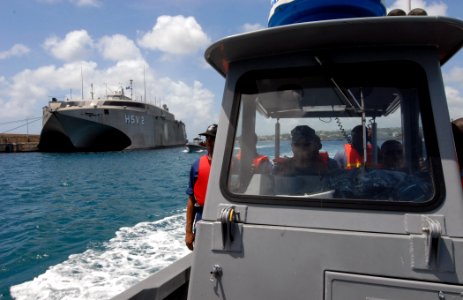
{"type": "Point", "coordinates": [286, 12]}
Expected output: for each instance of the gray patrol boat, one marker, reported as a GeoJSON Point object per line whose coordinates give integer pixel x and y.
{"type": "Point", "coordinates": [368, 232]}
{"type": "Point", "coordinates": [111, 124]}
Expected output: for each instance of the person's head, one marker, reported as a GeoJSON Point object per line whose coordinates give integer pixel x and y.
{"type": "Point", "coordinates": [210, 134]}
{"type": "Point", "coordinates": [392, 154]}
{"type": "Point", "coordinates": [357, 137]}
{"type": "Point", "coordinates": [305, 142]}
{"type": "Point", "coordinates": [457, 128]}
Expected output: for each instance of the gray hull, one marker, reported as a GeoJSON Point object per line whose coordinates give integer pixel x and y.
{"type": "Point", "coordinates": [108, 126]}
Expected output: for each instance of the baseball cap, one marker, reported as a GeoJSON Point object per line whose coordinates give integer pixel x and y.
{"type": "Point", "coordinates": [210, 131]}
{"type": "Point", "coordinates": [303, 134]}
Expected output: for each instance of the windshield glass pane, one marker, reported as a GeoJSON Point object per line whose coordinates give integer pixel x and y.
{"type": "Point", "coordinates": [350, 132]}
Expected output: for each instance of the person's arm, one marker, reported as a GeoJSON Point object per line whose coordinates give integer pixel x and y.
{"type": "Point", "coordinates": [341, 159]}
{"type": "Point", "coordinates": [190, 206]}
{"type": "Point", "coordinates": [190, 216]}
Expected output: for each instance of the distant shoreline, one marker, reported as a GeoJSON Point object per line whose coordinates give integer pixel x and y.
{"type": "Point", "coordinates": [336, 135]}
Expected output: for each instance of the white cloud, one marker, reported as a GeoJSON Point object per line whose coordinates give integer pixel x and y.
{"type": "Point", "coordinates": [77, 45]}
{"type": "Point", "coordinates": [49, 1]}
{"type": "Point", "coordinates": [454, 75]}
{"type": "Point", "coordinates": [185, 99]}
{"type": "Point", "coordinates": [454, 81]}
{"type": "Point", "coordinates": [94, 3]}
{"type": "Point", "coordinates": [434, 8]}
{"type": "Point", "coordinates": [16, 50]}
{"type": "Point", "coordinates": [455, 102]}
{"type": "Point", "coordinates": [176, 35]}
{"type": "Point", "coordinates": [80, 3]}
{"type": "Point", "coordinates": [118, 47]}
{"type": "Point", "coordinates": [251, 27]}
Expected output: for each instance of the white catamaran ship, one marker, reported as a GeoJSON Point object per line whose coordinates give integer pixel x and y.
{"type": "Point", "coordinates": [111, 124]}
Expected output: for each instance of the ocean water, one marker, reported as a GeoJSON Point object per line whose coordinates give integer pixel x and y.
{"type": "Point", "coordinates": [89, 225]}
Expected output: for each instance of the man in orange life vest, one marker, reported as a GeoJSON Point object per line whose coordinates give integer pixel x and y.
{"type": "Point", "coordinates": [352, 156]}
{"type": "Point", "coordinates": [260, 163]}
{"type": "Point", "coordinates": [199, 176]}
{"type": "Point", "coordinates": [307, 159]}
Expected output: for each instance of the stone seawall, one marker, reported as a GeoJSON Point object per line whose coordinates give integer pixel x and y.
{"type": "Point", "coordinates": [11, 142]}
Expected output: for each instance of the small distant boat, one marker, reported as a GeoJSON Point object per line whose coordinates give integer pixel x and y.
{"type": "Point", "coordinates": [197, 145]}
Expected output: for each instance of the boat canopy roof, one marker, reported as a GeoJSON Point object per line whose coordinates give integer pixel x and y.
{"type": "Point", "coordinates": [445, 34]}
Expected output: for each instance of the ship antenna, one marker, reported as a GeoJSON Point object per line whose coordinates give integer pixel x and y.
{"type": "Point", "coordinates": [82, 81]}
{"type": "Point", "coordinates": [144, 81]}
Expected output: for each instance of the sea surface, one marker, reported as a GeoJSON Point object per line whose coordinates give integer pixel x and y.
{"type": "Point", "coordinates": [91, 225]}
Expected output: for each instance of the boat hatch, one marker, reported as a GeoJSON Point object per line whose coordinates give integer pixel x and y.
{"type": "Point", "coordinates": [333, 100]}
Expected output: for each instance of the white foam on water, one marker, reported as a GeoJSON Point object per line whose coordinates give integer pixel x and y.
{"type": "Point", "coordinates": [134, 254]}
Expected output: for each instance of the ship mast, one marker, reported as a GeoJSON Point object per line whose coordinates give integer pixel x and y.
{"type": "Point", "coordinates": [144, 82]}
{"type": "Point", "coordinates": [82, 81]}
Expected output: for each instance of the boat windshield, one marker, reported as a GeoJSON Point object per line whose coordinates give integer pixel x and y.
{"type": "Point", "coordinates": [344, 134]}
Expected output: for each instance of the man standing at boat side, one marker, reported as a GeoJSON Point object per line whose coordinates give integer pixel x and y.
{"type": "Point", "coordinates": [199, 176]}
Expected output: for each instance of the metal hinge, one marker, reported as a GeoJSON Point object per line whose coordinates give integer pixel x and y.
{"type": "Point", "coordinates": [430, 249]}
{"type": "Point", "coordinates": [227, 230]}
{"type": "Point", "coordinates": [433, 232]}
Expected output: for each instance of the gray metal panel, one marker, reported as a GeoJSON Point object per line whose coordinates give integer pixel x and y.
{"type": "Point", "coordinates": [288, 262]}
{"type": "Point", "coordinates": [440, 32]}
{"type": "Point", "coordinates": [341, 286]}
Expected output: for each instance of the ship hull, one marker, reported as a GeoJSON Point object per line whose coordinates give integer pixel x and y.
{"type": "Point", "coordinates": [109, 128]}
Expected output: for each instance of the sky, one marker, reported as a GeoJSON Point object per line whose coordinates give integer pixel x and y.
{"type": "Point", "coordinates": [48, 46]}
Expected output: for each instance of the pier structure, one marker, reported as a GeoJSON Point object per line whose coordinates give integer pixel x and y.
{"type": "Point", "coordinates": [14, 142]}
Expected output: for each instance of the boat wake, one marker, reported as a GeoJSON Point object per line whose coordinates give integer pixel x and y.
{"type": "Point", "coordinates": [134, 254]}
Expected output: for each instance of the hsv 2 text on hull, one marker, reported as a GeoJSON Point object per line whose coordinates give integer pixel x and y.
{"type": "Point", "coordinates": [111, 124]}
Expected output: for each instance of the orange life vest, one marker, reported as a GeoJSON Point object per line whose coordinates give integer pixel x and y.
{"type": "Point", "coordinates": [256, 161]}
{"type": "Point", "coordinates": [259, 160]}
{"type": "Point", "coordinates": [354, 159]}
{"type": "Point", "coordinates": [323, 157]}
{"type": "Point", "coordinates": [285, 163]}
{"type": "Point", "coordinates": [200, 187]}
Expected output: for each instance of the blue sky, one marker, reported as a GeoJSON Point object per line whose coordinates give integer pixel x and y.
{"type": "Point", "coordinates": [46, 43]}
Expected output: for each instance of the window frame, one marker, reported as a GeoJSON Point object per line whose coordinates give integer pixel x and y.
{"type": "Point", "coordinates": [429, 134]}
